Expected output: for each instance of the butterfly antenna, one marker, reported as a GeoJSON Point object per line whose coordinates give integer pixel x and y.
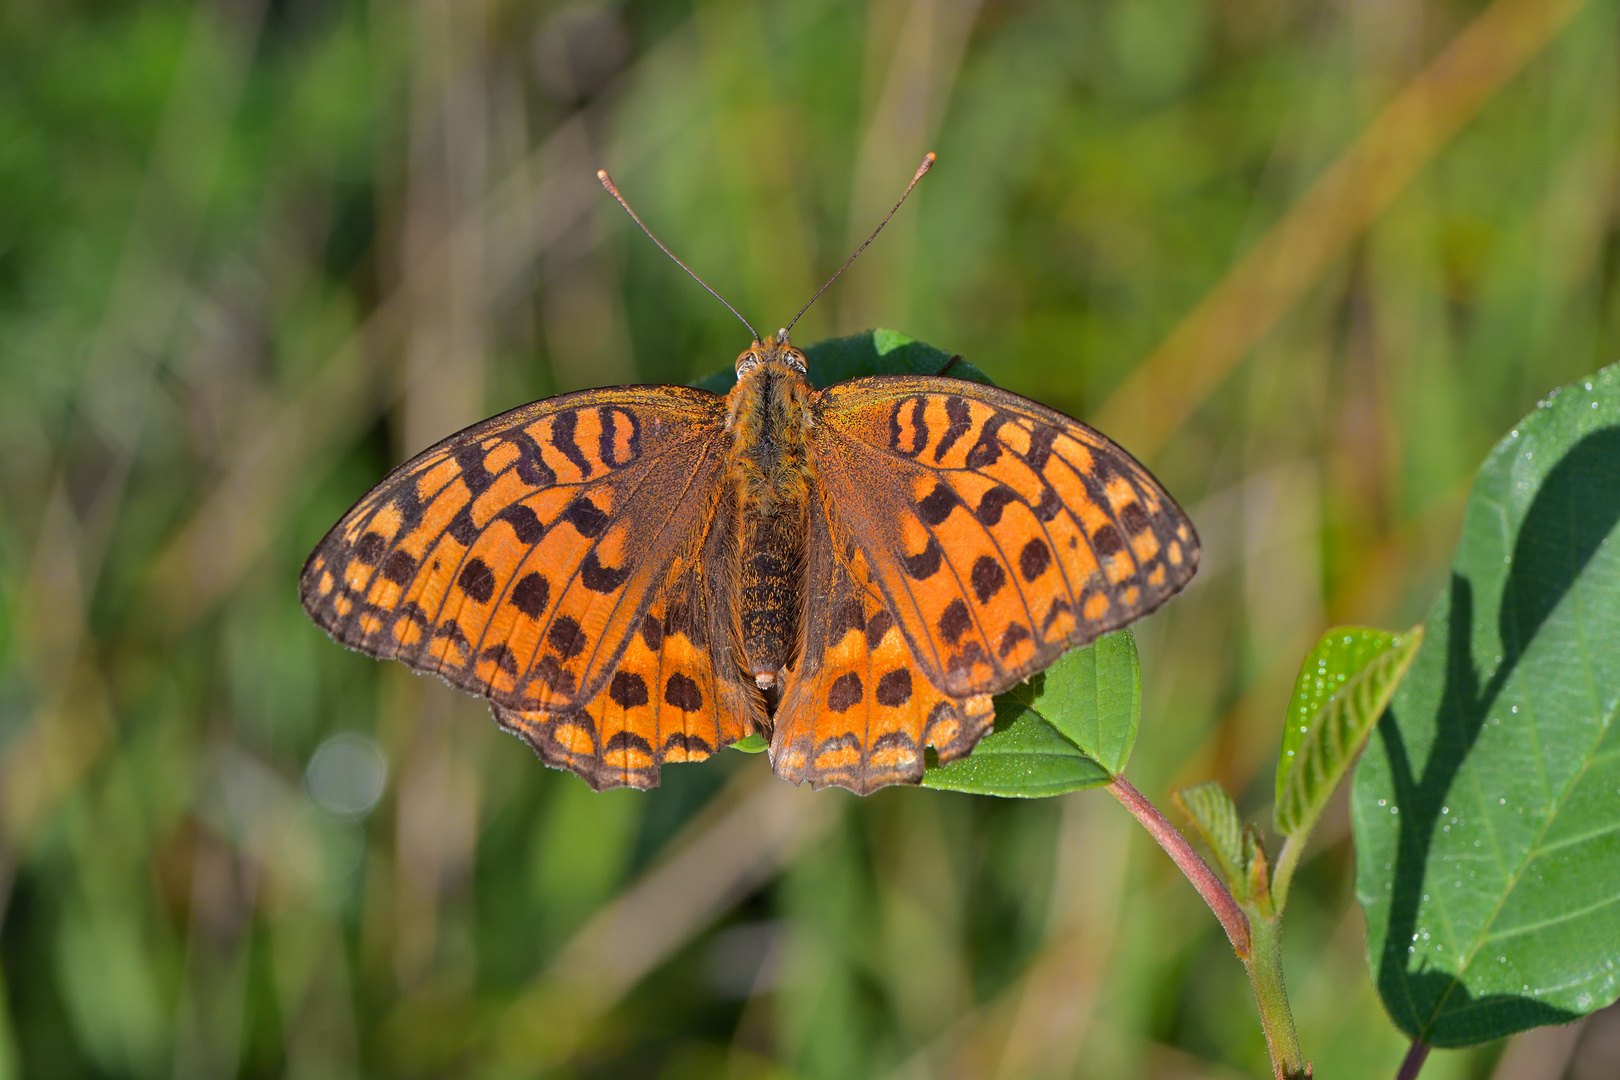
{"type": "Point", "coordinates": [607, 182]}
{"type": "Point", "coordinates": [927, 163]}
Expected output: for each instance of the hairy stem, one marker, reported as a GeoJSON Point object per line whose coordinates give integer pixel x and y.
{"type": "Point", "coordinates": [1210, 887]}
{"type": "Point", "coordinates": [1264, 965]}
{"type": "Point", "coordinates": [1255, 932]}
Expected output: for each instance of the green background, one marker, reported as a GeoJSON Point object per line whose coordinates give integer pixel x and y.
{"type": "Point", "coordinates": [254, 253]}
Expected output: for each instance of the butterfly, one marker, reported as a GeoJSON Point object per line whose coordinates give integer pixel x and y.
{"type": "Point", "coordinates": [636, 575]}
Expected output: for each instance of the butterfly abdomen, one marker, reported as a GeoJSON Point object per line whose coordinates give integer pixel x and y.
{"type": "Point", "coordinates": [770, 474]}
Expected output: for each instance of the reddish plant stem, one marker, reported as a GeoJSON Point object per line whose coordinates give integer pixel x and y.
{"type": "Point", "coordinates": [1211, 888]}
{"type": "Point", "coordinates": [1412, 1064]}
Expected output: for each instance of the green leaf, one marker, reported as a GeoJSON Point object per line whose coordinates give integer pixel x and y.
{"type": "Point", "coordinates": [1339, 654]}
{"type": "Point", "coordinates": [1069, 727]}
{"type": "Point", "coordinates": [1093, 696]}
{"type": "Point", "coordinates": [1215, 816]}
{"type": "Point", "coordinates": [1023, 758]}
{"type": "Point", "coordinates": [872, 352]}
{"type": "Point", "coordinates": [751, 744]}
{"type": "Point", "coordinates": [1344, 686]}
{"type": "Point", "coordinates": [1486, 808]}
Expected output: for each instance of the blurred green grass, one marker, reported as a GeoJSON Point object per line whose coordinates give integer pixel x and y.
{"type": "Point", "coordinates": [252, 254]}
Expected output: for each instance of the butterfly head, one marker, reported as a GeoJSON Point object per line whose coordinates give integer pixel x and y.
{"type": "Point", "coordinates": [778, 350]}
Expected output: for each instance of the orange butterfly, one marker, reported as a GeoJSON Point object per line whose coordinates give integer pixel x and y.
{"type": "Point", "coordinates": [642, 574]}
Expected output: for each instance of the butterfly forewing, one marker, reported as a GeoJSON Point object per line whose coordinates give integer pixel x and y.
{"type": "Point", "coordinates": [1000, 532]}
{"type": "Point", "coordinates": [518, 558]}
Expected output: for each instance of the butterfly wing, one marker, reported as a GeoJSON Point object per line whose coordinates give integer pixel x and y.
{"type": "Point", "coordinates": [854, 711]}
{"type": "Point", "coordinates": [1000, 533]}
{"type": "Point", "coordinates": [547, 559]}
{"type": "Point", "coordinates": [676, 693]}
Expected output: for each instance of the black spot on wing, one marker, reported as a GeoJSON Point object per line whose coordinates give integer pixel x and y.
{"type": "Point", "coordinates": [919, 427]}
{"type": "Point", "coordinates": [405, 500]}
{"type": "Point", "coordinates": [993, 502]}
{"type": "Point", "coordinates": [599, 578]}
{"type": "Point", "coordinates": [503, 658]}
{"type": "Point", "coordinates": [551, 672]}
{"type": "Point", "coordinates": [628, 690]}
{"type": "Point", "coordinates": [683, 693]}
{"type": "Point", "coordinates": [1040, 446]}
{"type": "Point", "coordinates": [370, 548]}
{"type": "Point", "coordinates": [563, 430]}
{"type": "Point", "coordinates": [894, 688]}
{"type": "Point", "coordinates": [470, 459]}
{"type": "Point", "coordinates": [1058, 607]}
{"type": "Point", "coordinates": [399, 567]}
{"type": "Point", "coordinates": [988, 447]}
{"type": "Point", "coordinates": [988, 577]}
{"type": "Point", "coordinates": [694, 745]}
{"type": "Point", "coordinates": [1034, 559]}
{"type": "Point", "coordinates": [1048, 507]}
{"type": "Point", "coordinates": [531, 594]}
{"type": "Point", "coordinates": [962, 663]}
{"type": "Point", "coordinates": [680, 620]}
{"type": "Point", "coordinates": [937, 505]}
{"type": "Point", "coordinates": [462, 528]}
{"type": "Point", "coordinates": [1010, 637]}
{"type": "Point", "coordinates": [893, 739]}
{"type": "Point", "coordinates": [566, 637]}
{"type": "Point", "coordinates": [612, 418]}
{"type": "Point", "coordinates": [925, 564]}
{"type": "Point", "coordinates": [850, 615]}
{"type": "Point", "coordinates": [627, 740]}
{"type": "Point", "coordinates": [954, 621]}
{"type": "Point", "coordinates": [652, 632]}
{"type": "Point", "coordinates": [956, 412]}
{"type": "Point", "coordinates": [477, 580]}
{"type": "Point", "coordinates": [845, 693]}
{"type": "Point", "coordinates": [586, 517]}
{"type": "Point", "coordinates": [876, 627]}
{"type": "Point", "coordinates": [452, 631]}
{"type": "Point", "coordinates": [530, 466]}
{"type": "Point", "coordinates": [1134, 518]}
{"type": "Point", "coordinates": [524, 523]}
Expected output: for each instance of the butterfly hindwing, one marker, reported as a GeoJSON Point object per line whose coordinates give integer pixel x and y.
{"type": "Point", "coordinates": [1000, 532]}
{"type": "Point", "coordinates": [676, 693]}
{"type": "Point", "coordinates": [855, 710]}
{"type": "Point", "coordinates": [519, 558]}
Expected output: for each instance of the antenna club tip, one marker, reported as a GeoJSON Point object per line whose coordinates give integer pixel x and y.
{"type": "Point", "coordinates": [607, 181]}
{"type": "Point", "coordinates": [927, 163]}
